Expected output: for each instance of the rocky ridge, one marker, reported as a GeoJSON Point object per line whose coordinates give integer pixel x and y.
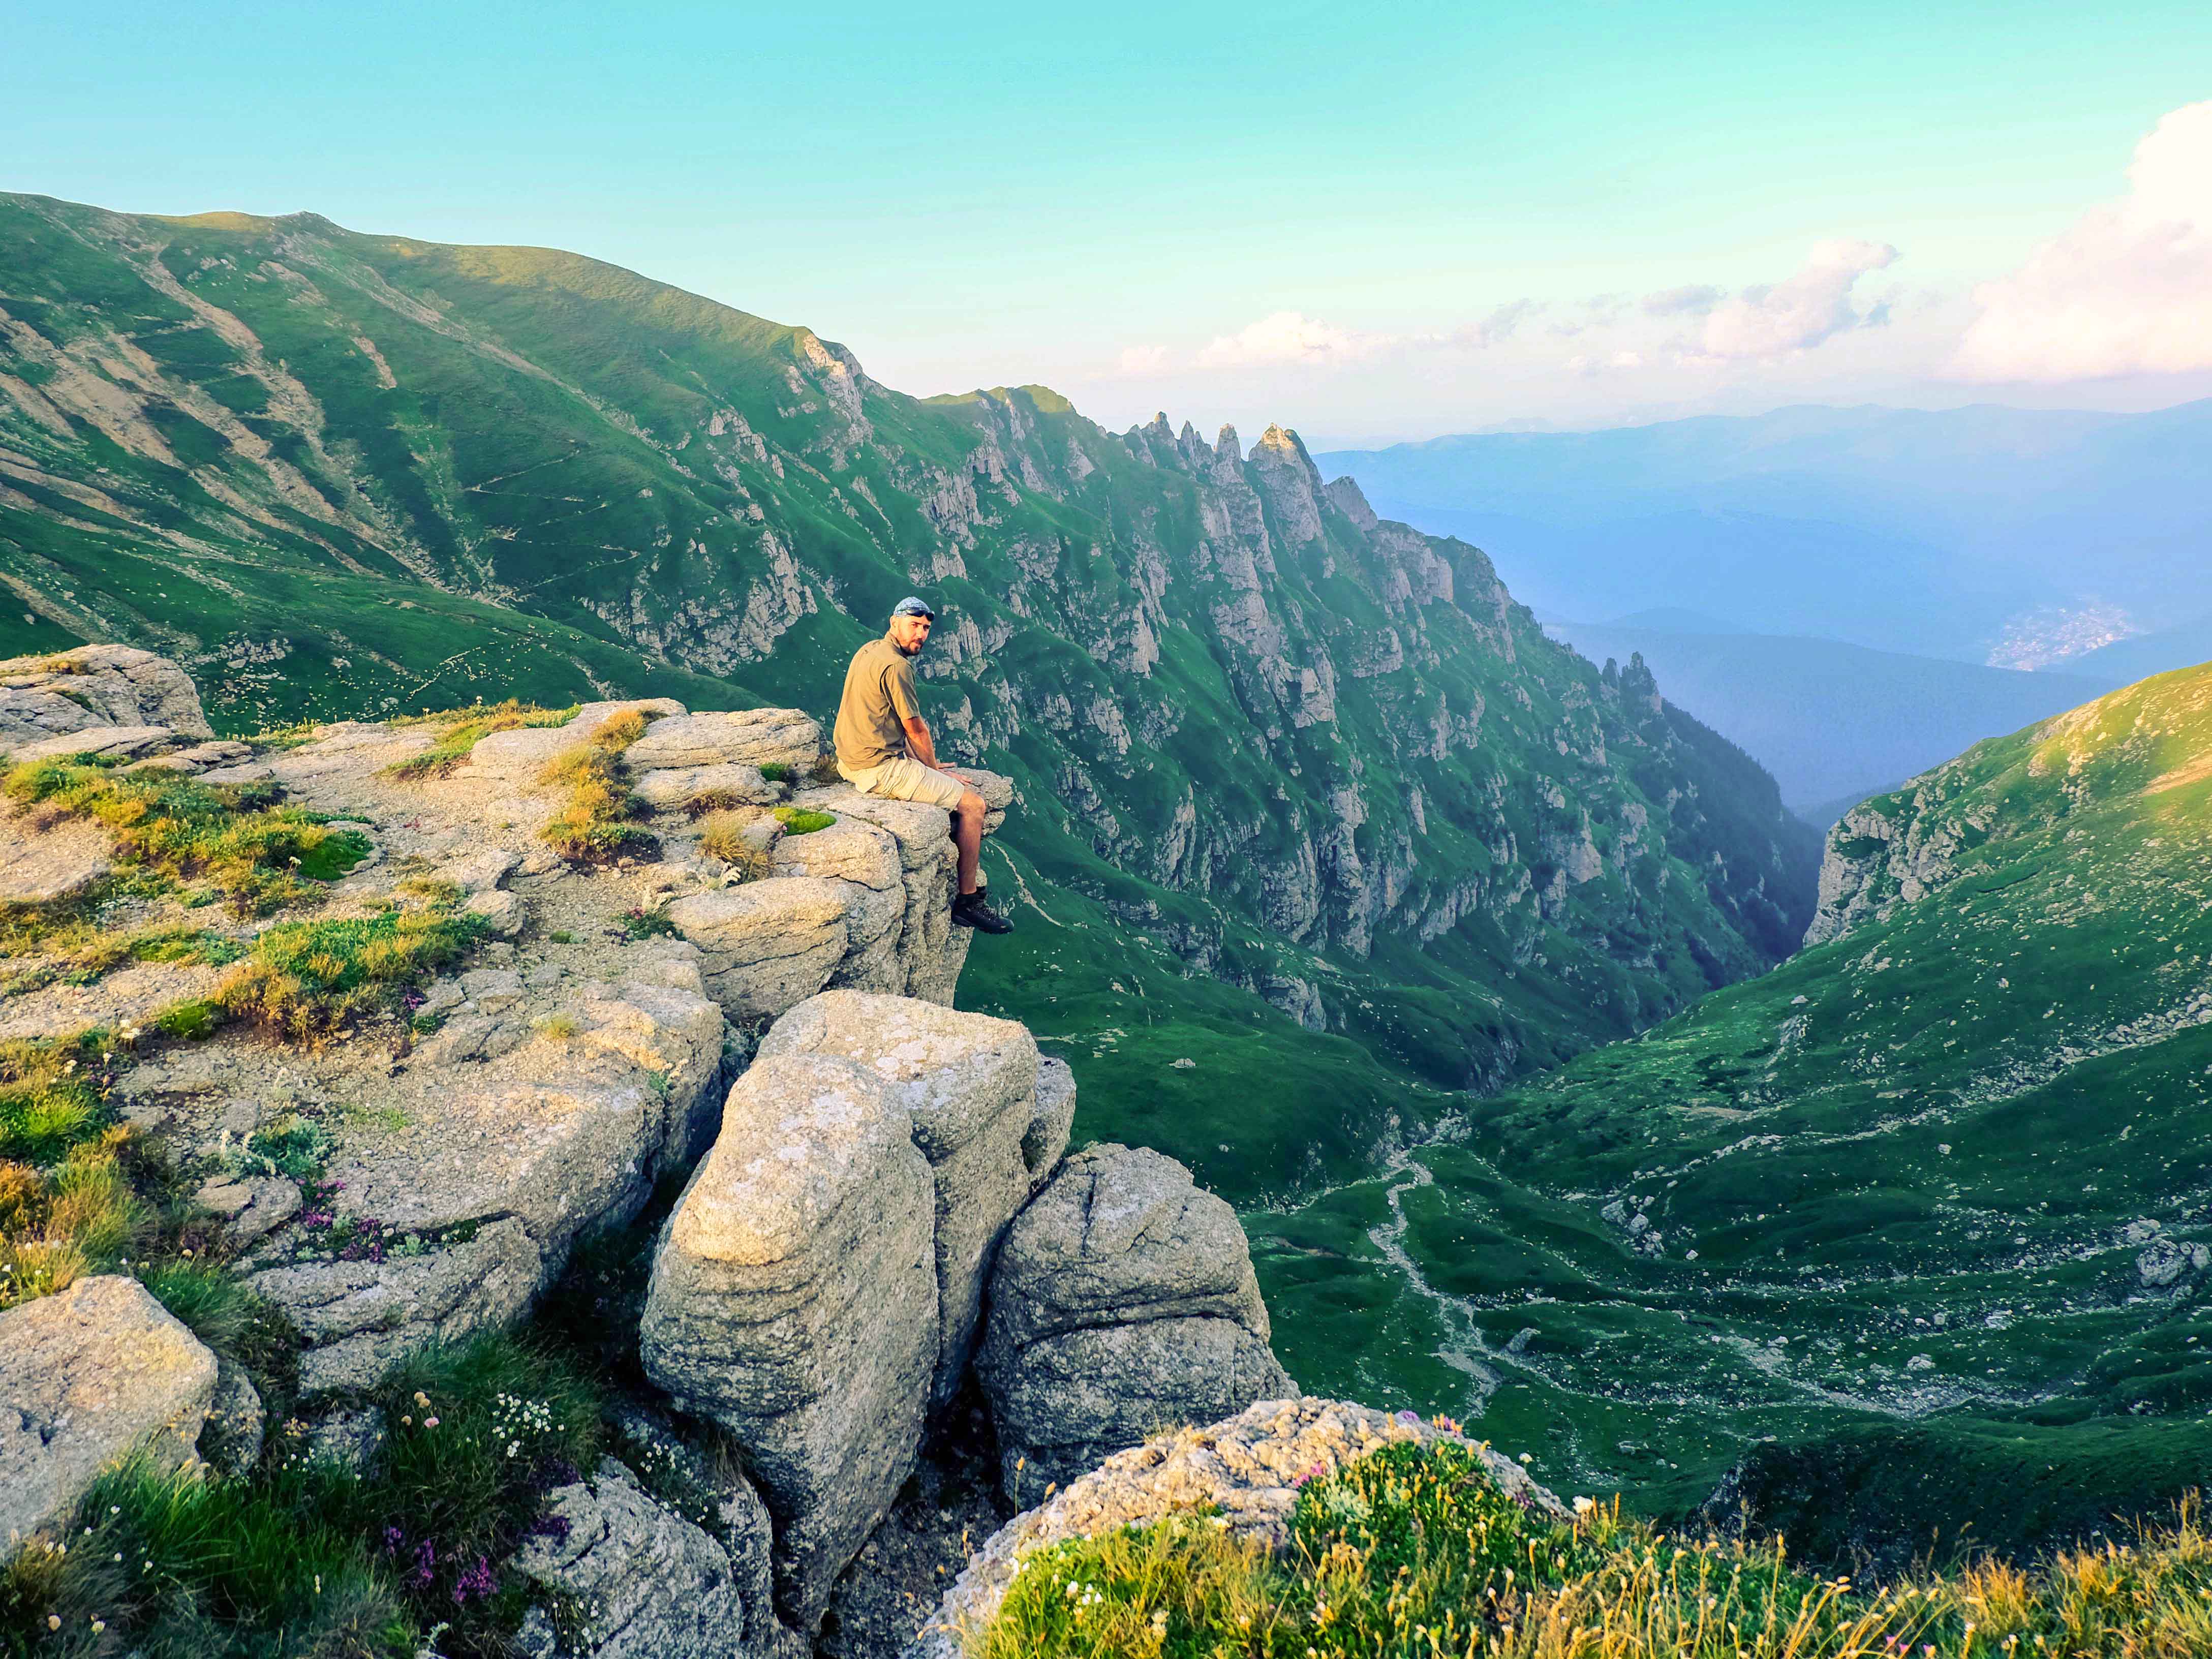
{"type": "Point", "coordinates": [876, 1180]}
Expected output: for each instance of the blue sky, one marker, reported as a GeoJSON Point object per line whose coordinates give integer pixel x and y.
{"type": "Point", "coordinates": [1368, 222]}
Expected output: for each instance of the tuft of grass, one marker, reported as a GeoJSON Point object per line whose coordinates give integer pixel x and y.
{"type": "Point", "coordinates": [305, 977]}
{"type": "Point", "coordinates": [777, 772]}
{"type": "Point", "coordinates": [83, 954]}
{"type": "Point", "coordinates": [559, 1028]}
{"type": "Point", "coordinates": [803, 820]}
{"type": "Point", "coordinates": [476, 1434]}
{"type": "Point", "coordinates": [258, 854]}
{"type": "Point", "coordinates": [723, 836]}
{"type": "Point", "coordinates": [52, 1095]}
{"type": "Point", "coordinates": [172, 1566]}
{"type": "Point", "coordinates": [1414, 1551]}
{"type": "Point", "coordinates": [595, 824]}
{"type": "Point", "coordinates": [59, 1224]}
{"type": "Point", "coordinates": [464, 727]}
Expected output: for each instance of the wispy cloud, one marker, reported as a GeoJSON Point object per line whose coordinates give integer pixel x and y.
{"type": "Point", "coordinates": [1695, 300]}
{"type": "Point", "coordinates": [1291, 337]}
{"type": "Point", "coordinates": [1773, 320]}
{"type": "Point", "coordinates": [2126, 289]}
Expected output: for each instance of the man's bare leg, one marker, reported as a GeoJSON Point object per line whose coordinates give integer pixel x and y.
{"type": "Point", "coordinates": [968, 837]}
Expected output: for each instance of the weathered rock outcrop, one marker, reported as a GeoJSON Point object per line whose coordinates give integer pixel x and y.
{"type": "Point", "coordinates": [818, 1288]}
{"type": "Point", "coordinates": [511, 1144]}
{"type": "Point", "coordinates": [1123, 1303]}
{"type": "Point", "coordinates": [629, 1579]}
{"type": "Point", "coordinates": [87, 1376]}
{"type": "Point", "coordinates": [96, 685]}
{"type": "Point", "coordinates": [969, 1085]}
{"type": "Point", "coordinates": [794, 1301]}
{"type": "Point", "coordinates": [864, 904]}
{"type": "Point", "coordinates": [1247, 1468]}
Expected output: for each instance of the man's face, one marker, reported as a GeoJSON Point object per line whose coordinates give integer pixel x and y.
{"type": "Point", "coordinates": [910, 634]}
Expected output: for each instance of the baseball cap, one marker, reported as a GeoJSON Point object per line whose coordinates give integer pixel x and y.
{"type": "Point", "coordinates": [911, 606]}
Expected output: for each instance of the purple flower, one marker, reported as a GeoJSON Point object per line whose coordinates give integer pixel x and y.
{"type": "Point", "coordinates": [1411, 1419]}
{"type": "Point", "coordinates": [555, 1527]}
{"type": "Point", "coordinates": [426, 1561]}
{"type": "Point", "coordinates": [394, 1541]}
{"type": "Point", "coordinates": [478, 1581]}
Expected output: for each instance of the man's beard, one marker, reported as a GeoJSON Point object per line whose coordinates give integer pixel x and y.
{"type": "Point", "coordinates": [906, 650]}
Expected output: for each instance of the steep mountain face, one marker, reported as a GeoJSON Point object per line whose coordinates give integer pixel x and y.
{"type": "Point", "coordinates": [1930, 1204]}
{"type": "Point", "coordinates": [1307, 752]}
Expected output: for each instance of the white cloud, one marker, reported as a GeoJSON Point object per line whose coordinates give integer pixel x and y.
{"type": "Point", "coordinates": [1502, 323]}
{"type": "Point", "coordinates": [2127, 289]}
{"type": "Point", "coordinates": [1771, 321]}
{"type": "Point", "coordinates": [1695, 300]}
{"type": "Point", "coordinates": [1289, 336]}
{"type": "Point", "coordinates": [1142, 360]}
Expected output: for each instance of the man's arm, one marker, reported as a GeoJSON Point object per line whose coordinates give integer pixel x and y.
{"type": "Point", "coordinates": [920, 746]}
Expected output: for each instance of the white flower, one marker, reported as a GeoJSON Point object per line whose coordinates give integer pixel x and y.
{"type": "Point", "coordinates": [1583, 1505]}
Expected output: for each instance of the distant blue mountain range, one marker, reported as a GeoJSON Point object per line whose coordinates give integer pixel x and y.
{"type": "Point", "coordinates": [1823, 586]}
{"type": "Point", "coordinates": [1926, 532]}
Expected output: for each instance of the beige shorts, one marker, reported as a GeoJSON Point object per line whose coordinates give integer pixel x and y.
{"type": "Point", "coordinates": [908, 779]}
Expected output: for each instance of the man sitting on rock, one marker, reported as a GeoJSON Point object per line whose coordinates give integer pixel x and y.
{"type": "Point", "coordinates": [883, 748]}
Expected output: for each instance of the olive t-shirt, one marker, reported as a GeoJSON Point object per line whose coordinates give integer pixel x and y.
{"type": "Point", "coordinates": [878, 698]}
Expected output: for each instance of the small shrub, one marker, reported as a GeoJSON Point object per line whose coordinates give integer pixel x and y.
{"type": "Point", "coordinates": [304, 977]}
{"type": "Point", "coordinates": [562, 936]}
{"type": "Point", "coordinates": [648, 924]}
{"type": "Point", "coordinates": [57, 1226]}
{"type": "Point", "coordinates": [777, 772]}
{"type": "Point", "coordinates": [593, 826]}
{"type": "Point", "coordinates": [52, 1095]}
{"type": "Point", "coordinates": [559, 1028]}
{"type": "Point", "coordinates": [803, 820]}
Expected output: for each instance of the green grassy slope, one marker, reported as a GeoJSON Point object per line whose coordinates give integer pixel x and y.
{"type": "Point", "coordinates": [1932, 1198]}
{"type": "Point", "coordinates": [1326, 762]}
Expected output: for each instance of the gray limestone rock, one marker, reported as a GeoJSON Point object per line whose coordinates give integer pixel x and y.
{"type": "Point", "coordinates": [51, 862]}
{"type": "Point", "coordinates": [633, 1580]}
{"type": "Point", "coordinates": [91, 685]}
{"type": "Point", "coordinates": [968, 1085]}
{"type": "Point", "coordinates": [521, 755]}
{"type": "Point", "coordinates": [1247, 1469]}
{"type": "Point", "coordinates": [768, 946]}
{"type": "Point", "coordinates": [793, 1301]}
{"type": "Point", "coordinates": [230, 1440]}
{"type": "Point", "coordinates": [670, 788]}
{"type": "Point", "coordinates": [88, 1376]}
{"type": "Point", "coordinates": [108, 742]}
{"type": "Point", "coordinates": [748, 736]}
{"type": "Point", "coordinates": [1123, 1302]}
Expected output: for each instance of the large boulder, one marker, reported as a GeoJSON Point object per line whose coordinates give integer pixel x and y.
{"type": "Point", "coordinates": [1123, 1303]}
{"type": "Point", "coordinates": [968, 1086]}
{"type": "Point", "coordinates": [96, 685]}
{"type": "Point", "coordinates": [628, 1578]}
{"type": "Point", "coordinates": [793, 1301]}
{"type": "Point", "coordinates": [747, 736]}
{"type": "Point", "coordinates": [1246, 1470]}
{"type": "Point", "coordinates": [87, 1376]}
{"type": "Point", "coordinates": [767, 945]}
{"type": "Point", "coordinates": [507, 1145]}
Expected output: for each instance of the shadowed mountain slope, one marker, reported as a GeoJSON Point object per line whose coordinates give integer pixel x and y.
{"type": "Point", "coordinates": [1323, 763]}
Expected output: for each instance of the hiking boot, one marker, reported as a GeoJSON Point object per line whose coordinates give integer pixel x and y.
{"type": "Point", "coordinates": [970, 910]}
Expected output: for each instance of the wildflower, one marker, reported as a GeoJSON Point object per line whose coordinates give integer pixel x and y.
{"type": "Point", "coordinates": [1584, 1505]}
{"type": "Point", "coordinates": [53, 1622]}
{"type": "Point", "coordinates": [98, 1625]}
{"type": "Point", "coordinates": [429, 1422]}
